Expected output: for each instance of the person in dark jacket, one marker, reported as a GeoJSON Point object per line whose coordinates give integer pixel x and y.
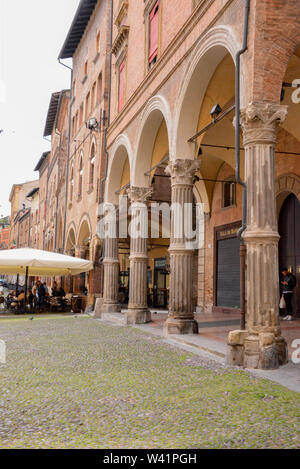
{"type": "Point", "coordinates": [41, 295]}
{"type": "Point", "coordinates": [288, 284]}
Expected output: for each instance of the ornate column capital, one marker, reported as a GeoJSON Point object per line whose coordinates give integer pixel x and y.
{"type": "Point", "coordinates": [182, 171]}
{"type": "Point", "coordinates": [259, 122]}
{"type": "Point", "coordinates": [139, 194]}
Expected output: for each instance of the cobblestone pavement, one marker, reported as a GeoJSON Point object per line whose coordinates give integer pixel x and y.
{"type": "Point", "coordinates": [75, 382]}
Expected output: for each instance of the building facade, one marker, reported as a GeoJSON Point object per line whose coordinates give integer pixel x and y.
{"type": "Point", "coordinates": [188, 102]}
{"type": "Point", "coordinates": [164, 94]}
{"type": "Point", "coordinates": [4, 233]}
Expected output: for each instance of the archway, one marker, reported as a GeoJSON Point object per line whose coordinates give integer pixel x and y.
{"type": "Point", "coordinates": [289, 243]}
{"type": "Point", "coordinates": [70, 251]}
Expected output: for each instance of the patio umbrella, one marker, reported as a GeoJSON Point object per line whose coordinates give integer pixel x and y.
{"type": "Point", "coordinates": [33, 262]}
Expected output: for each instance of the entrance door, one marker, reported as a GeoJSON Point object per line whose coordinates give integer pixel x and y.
{"type": "Point", "coordinates": [159, 285]}
{"type": "Point", "coordinates": [228, 273]}
{"type": "Point", "coordinates": [289, 243]}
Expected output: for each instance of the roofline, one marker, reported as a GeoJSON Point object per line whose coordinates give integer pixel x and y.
{"type": "Point", "coordinates": [32, 192]}
{"type": "Point", "coordinates": [77, 28]}
{"type": "Point", "coordinates": [41, 160]}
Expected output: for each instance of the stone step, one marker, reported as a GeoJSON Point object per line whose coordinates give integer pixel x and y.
{"type": "Point", "coordinates": [116, 318]}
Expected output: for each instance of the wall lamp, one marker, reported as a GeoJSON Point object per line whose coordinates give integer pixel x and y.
{"type": "Point", "coordinates": [215, 111]}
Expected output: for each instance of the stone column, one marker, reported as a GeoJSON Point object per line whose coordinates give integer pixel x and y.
{"type": "Point", "coordinates": [262, 344]}
{"type": "Point", "coordinates": [181, 312]}
{"type": "Point", "coordinates": [138, 312]}
{"type": "Point", "coordinates": [111, 268]}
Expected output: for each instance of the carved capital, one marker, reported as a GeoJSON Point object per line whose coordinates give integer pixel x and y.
{"type": "Point", "coordinates": [182, 171]}
{"type": "Point", "coordinates": [260, 120]}
{"type": "Point", "coordinates": [139, 194]}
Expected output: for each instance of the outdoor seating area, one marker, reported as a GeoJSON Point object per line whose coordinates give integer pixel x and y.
{"type": "Point", "coordinates": [38, 297]}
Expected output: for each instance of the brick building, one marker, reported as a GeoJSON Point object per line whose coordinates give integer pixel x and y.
{"type": "Point", "coordinates": [156, 85]}
{"type": "Point", "coordinates": [22, 198]}
{"type": "Point", "coordinates": [4, 233]}
{"type": "Point", "coordinates": [173, 63]}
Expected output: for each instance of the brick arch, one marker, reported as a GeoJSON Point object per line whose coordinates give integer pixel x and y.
{"type": "Point", "coordinates": [288, 183]}
{"type": "Point", "coordinates": [279, 42]}
{"type": "Point", "coordinates": [285, 185]}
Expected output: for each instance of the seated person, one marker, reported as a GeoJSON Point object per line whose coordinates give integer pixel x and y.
{"type": "Point", "coordinates": [21, 295]}
{"type": "Point", "coordinates": [30, 297]}
{"type": "Point", "coordinates": [21, 298]}
{"type": "Point", "coordinates": [55, 290]}
{"type": "Point", "coordinates": [61, 292]}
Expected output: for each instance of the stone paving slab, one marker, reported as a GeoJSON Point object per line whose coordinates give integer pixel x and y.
{"type": "Point", "coordinates": [74, 382]}
{"type": "Point", "coordinates": [212, 344]}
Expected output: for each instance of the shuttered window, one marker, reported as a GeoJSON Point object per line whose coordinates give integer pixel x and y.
{"type": "Point", "coordinates": [228, 194]}
{"type": "Point", "coordinates": [153, 34]}
{"type": "Point", "coordinates": [121, 85]}
{"type": "Point", "coordinates": [228, 273]}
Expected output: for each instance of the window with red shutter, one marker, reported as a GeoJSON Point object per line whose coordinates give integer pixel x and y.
{"type": "Point", "coordinates": [153, 34]}
{"type": "Point", "coordinates": [121, 85]}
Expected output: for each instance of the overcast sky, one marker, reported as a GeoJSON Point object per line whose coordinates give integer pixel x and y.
{"type": "Point", "coordinates": [32, 33]}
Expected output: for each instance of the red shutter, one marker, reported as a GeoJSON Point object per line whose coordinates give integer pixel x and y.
{"type": "Point", "coordinates": [153, 32]}
{"type": "Point", "coordinates": [121, 85]}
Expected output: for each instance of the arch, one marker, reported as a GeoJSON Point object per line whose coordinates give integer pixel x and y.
{"type": "Point", "coordinates": [286, 184]}
{"type": "Point", "coordinates": [121, 150]}
{"type": "Point", "coordinates": [84, 222]}
{"type": "Point", "coordinates": [59, 233]}
{"type": "Point", "coordinates": [80, 175]}
{"type": "Point", "coordinates": [71, 182]}
{"type": "Point", "coordinates": [71, 238]}
{"type": "Point", "coordinates": [208, 53]}
{"type": "Point", "coordinates": [157, 109]}
{"type": "Point", "coordinates": [92, 158]}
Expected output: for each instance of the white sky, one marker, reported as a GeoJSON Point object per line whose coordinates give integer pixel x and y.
{"type": "Point", "coordinates": [32, 33]}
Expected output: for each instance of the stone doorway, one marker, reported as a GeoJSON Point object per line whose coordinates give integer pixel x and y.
{"type": "Point", "coordinates": [289, 244]}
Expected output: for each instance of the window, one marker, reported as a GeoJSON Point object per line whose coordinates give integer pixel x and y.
{"type": "Point", "coordinates": [86, 68]}
{"type": "Point", "coordinates": [92, 168]}
{"type": "Point", "coordinates": [73, 126]}
{"type": "Point", "coordinates": [81, 115]}
{"type": "Point", "coordinates": [121, 85]}
{"type": "Point", "coordinates": [98, 42]}
{"type": "Point", "coordinates": [93, 96]}
{"type": "Point", "coordinates": [80, 178]}
{"type": "Point", "coordinates": [153, 35]}
{"type": "Point", "coordinates": [71, 184]}
{"type": "Point", "coordinates": [76, 122]}
{"type": "Point", "coordinates": [99, 88]}
{"type": "Point", "coordinates": [228, 194]}
{"type": "Point", "coordinates": [74, 88]}
{"type": "Point", "coordinates": [87, 106]}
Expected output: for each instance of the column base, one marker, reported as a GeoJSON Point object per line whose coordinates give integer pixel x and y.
{"type": "Point", "coordinates": [137, 316]}
{"type": "Point", "coordinates": [110, 308]}
{"type": "Point", "coordinates": [262, 351]}
{"type": "Point", "coordinates": [180, 326]}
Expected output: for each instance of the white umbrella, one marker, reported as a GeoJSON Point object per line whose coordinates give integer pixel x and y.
{"type": "Point", "coordinates": [32, 262]}
{"type": "Point", "coordinates": [43, 263]}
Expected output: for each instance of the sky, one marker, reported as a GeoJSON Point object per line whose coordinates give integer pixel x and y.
{"type": "Point", "coordinates": [32, 33]}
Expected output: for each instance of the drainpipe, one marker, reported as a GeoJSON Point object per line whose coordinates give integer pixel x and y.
{"type": "Point", "coordinates": [108, 120]}
{"type": "Point", "coordinates": [237, 168]}
{"type": "Point", "coordinates": [68, 152]}
{"type": "Point", "coordinates": [109, 105]}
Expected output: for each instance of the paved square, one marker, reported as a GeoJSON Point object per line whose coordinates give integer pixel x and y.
{"type": "Point", "coordinates": [78, 383]}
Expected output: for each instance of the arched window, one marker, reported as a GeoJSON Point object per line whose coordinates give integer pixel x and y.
{"type": "Point", "coordinates": [92, 167]}
{"type": "Point", "coordinates": [80, 177]}
{"type": "Point", "coordinates": [71, 184]}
